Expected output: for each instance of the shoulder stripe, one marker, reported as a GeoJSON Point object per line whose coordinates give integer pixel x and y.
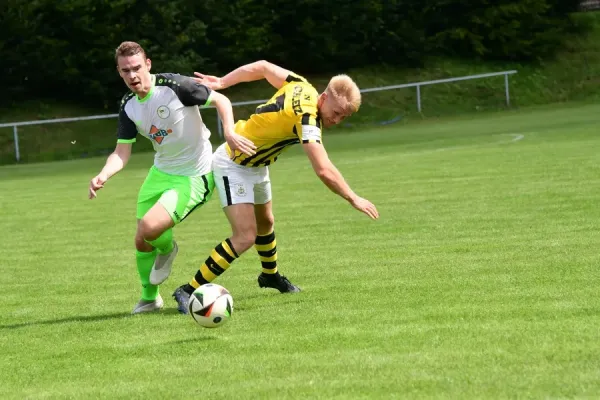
{"type": "Point", "coordinates": [272, 107]}
{"type": "Point", "coordinates": [290, 78]}
{"type": "Point", "coordinates": [167, 79]}
{"type": "Point", "coordinates": [125, 99]}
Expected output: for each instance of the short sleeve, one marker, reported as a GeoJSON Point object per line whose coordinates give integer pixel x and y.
{"type": "Point", "coordinates": [308, 122]}
{"type": "Point", "coordinates": [309, 126]}
{"type": "Point", "coordinates": [126, 131]}
{"type": "Point", "coordinates": [189, 92]}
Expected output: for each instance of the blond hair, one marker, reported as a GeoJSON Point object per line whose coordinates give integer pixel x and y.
{"type": "Point", "coordinates": [345, 92]}
{"type": "Point", "coordinates": [127, 49]}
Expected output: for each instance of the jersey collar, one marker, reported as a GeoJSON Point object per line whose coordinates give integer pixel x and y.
{"type": "Point", "coordinates": [150, 92]}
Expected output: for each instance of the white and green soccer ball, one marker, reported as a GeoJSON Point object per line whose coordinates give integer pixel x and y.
{"type": "Point", "coordinates": [211, 305]}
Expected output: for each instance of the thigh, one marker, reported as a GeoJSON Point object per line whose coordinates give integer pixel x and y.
{"type": "Point", "coordinates": [241, 218]}
{"type": "Point", "coordinates": [149, 193]}
{"type": "Point", "coordinates": [186, 194]}
{"type": "Point", "coordinates": [155, 222]}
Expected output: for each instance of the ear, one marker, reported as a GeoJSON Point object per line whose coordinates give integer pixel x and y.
{"type": "Point", "coordinates": [322, 98]}
{"type": "Point", "coordinates": [148, 63]}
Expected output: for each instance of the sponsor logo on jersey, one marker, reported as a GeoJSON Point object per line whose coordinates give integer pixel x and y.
{"type": "Point", "coordinates": [296, 99]}
{"type": "Point", "coordinates": [159, 134]}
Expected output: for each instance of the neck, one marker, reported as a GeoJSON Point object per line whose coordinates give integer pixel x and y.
{"type": "Point", "coordinates": [146, 89]}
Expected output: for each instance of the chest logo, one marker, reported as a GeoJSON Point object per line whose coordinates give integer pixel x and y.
{"type": "Point", "coordinates": [159, 134]}
{"type": "Point", "coordinates": [163, 112]}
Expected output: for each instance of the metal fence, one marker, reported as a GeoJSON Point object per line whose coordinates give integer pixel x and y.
{"type": "Point", "coordinates": [416, 85]}
{"type": "Point", "coordinates": [589, 5]}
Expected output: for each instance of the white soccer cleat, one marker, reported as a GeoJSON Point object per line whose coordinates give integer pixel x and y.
{"type": "Point", "coordinates": [162, 266]}
{"type": "Point", "coordinates": [144, 306]}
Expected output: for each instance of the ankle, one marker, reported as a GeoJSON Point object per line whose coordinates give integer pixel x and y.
{"type": "Point", "coordinates": [189, 289]}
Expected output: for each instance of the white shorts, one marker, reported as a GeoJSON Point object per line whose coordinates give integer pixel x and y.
{"type": "Point", "coordinates": [238, 184]}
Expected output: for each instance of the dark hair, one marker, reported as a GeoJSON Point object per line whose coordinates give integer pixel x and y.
{"type": "Point", "coordinates": [127, 49]}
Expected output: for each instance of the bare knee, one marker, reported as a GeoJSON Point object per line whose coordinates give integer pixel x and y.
{"type": "Point", "coordinates": [141, 244]}
{"type": "Point", "coordinates": [265, 223]}
{"type": "Point", "coordinates": [149, 230]}
{"type": "Point", "coordinates": [243, 239]}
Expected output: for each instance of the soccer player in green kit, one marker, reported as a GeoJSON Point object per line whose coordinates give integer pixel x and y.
{"type": "Point", "coordinates": [164, 108]}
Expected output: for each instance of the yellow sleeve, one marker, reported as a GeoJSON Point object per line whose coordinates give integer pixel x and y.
{"type": "Point", "coordinates": [308, 124]}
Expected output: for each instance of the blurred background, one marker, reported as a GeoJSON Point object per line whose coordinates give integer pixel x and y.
{"type": "Point", "coordinates": [58, 57]}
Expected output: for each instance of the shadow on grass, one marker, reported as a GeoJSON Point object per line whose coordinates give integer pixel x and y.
{"type": "Point", "coordinates": [189, 341]}
{"type": "Point", "coordinates": [84, 318]}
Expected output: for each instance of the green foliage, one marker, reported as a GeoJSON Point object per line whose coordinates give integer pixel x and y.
{"type": "Point", "coordinates": [65, 49]}
{"type": "Point", "coordinates": [499, 29]}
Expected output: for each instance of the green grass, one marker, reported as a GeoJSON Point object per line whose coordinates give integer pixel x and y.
{"type": "Point", "coordinates": [480, 280]}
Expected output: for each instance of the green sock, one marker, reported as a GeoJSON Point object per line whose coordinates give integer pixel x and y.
{"type": "Point", "coordinates": [164, 243]}
{"type": "Point", "coordinates": [145, 261]}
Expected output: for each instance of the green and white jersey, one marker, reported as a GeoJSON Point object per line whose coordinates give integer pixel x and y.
{"type": "Point", "coordinates": [170, 118]}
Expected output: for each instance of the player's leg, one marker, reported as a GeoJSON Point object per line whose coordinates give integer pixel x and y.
{"type": "Point", "coordinates": [145, 253]}
{"type": "Point", "coordinates": [243, 227]}
{"type": "Point", "coordinates": [183, 195]}
{"type": "Point", "coordinates": [235, 187]}
{"type": "Point", "coordinates": [155, 229]}
{"type": "Point", "coordinates": [265, 242]}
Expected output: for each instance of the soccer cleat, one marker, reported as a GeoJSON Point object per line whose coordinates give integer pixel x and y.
{"type": "Point", "coordinates": [277, 281]}
{"type": "Point", "coordinates": [182, 298]}
{"type": "Point", "coordinates": [162, 266]}
{"type": "Point", "coordinates": [148, 305]}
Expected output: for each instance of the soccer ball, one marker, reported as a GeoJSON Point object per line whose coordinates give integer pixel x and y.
{"type": "Point", "coordinates": [211, 305]}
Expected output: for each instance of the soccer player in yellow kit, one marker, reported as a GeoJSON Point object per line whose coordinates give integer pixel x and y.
{"type": "Point", "coordinates": [295, 114]}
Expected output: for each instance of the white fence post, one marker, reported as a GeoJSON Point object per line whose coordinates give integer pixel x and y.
{"type": "Point", "coordinates": [419, 98]}
{"type": "Point", "coordinates": [506, 89]}
{"type": "Point", "coordinates": [16, 137]}
{"type": "Point", "coordinates": [219, 126]}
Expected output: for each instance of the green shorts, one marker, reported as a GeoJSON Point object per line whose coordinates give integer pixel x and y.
{"type": "Point", "coordinates": [180, 195]}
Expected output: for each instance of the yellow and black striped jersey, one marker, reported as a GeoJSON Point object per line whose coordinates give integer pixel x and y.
{"type": "Point", "coordinates": [289, 117]}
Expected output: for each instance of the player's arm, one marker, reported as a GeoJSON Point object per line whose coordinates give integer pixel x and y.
{"type": "Point", "coordinates": [192, 93]}
{"type": "Point", "coordinates": [333, 179]}
{"type": "Point", "coordinates": [235, 141]}
{"type": "Point", "coordinates": [255, 71]}
{"type": "Point", "coordinates": [119, 157]}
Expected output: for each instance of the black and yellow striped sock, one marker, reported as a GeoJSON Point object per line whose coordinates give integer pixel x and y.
{"type": "Point", "coordinates": [266, 245]}
{"type": "Point", "coordinates": [219, 260]}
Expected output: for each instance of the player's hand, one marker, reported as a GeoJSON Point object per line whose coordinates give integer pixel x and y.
{"type": "Point", "coordinates": [240, 143]}
{"type": "Point", "coordinates": [365, 206]}
{"type": "Point", "coordinates": [96, 184]}
{"type": "Point", "coordinates": [212, 82]}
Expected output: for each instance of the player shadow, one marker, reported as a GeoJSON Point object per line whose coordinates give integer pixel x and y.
{"type": "Point", "coordinates": [84, 318]}
{"type": "Point", "coordinates": [192, 340]}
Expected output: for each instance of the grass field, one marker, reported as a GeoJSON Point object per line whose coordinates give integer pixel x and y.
{"type": "Point", "coordinates": [480, 280]}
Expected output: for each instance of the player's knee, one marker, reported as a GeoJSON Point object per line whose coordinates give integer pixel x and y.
{"type": "Point", "coordinates": [265, 223]}
{"type": "Point", "coordinates": [141, 244]}
{"type": "Point", "coordinates": [244, 239]}
{"type": "Point", "coordinates": [149, 230]}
